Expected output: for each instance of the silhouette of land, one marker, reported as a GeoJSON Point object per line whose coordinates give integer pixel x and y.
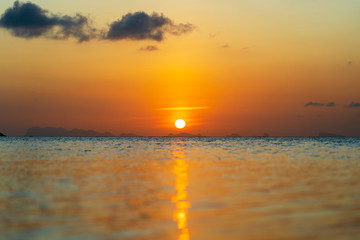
{"type": "Point", "coordinates": [128, 135]}
{"type": "Point", "coordinates": [184, 134]}
{"type": "Point", "coordinates": [62, 132]}
{"type": "Point", "coordinates": [323, 134]}
{"type": "Point", "coordinates": [234, 135]}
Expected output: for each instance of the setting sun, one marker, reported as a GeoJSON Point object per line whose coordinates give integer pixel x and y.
{"type": "Point", "coordinates": [180, 123]}
{"type": "Point", "coordinates": [264, 97]}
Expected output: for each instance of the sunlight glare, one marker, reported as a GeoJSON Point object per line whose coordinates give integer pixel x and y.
{"type": "Point", "coordinates": [180, 123]}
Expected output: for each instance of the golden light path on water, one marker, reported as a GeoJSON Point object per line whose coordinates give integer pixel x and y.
{"type": "Point", "coordinates": [180, 199]}
{"type": "Point", "coordinates": [141, 188]}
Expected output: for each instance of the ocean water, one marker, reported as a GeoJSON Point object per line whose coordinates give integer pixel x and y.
{"type": "Point", "coordinates": [179, 188]}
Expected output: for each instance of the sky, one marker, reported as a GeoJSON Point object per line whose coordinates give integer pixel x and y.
{"type": "Point", "coordinates": [282, 67]}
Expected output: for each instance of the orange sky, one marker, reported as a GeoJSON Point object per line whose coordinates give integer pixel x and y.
{"type": "Point", "coordinates": [247, 67]}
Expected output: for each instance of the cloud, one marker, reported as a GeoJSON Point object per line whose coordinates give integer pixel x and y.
{"type": "Point", "coordinates": [149, 48]}
{"type": "Point", "coordinates": [28, 20]}
{"type": "Point", "coordinates": [215, 34]}
{"type": "Point", "coordinates": [142, 26]}
{"type": "Point", "coordinates": [224, 46]}
{"type": "Point", "coordinates": [316, 104]}
{"type": "Point", "coordinates": [353, 105]}
{"type": "Point", "coordinates": [349, 63]}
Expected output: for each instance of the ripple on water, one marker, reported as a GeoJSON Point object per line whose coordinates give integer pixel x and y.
{"type": "Point", "coordinates": [168, 188]}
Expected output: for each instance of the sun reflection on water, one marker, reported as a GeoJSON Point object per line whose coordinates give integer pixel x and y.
{"type": "Point", "coordinates": [180, 199]}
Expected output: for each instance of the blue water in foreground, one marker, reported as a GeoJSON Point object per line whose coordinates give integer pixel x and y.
{"type": "Point", "coordinates": [179, 188]}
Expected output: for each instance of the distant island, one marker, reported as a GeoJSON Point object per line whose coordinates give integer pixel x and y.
{"type": "Point", "coordinates": [234, 135]}
{"type": "Point", "coordinates": [323, 134]}
{"type": "Point", "coordinates": [62, 132]}
{"type": "Point", "coordinates": [184, 134]}
{"type": "Point", "coordinates": [128, 135]}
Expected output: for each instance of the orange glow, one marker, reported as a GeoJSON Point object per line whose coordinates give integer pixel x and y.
{"type": "Point", "coordinates": [182, 205]}
{"type": "Point", "coordinates": [258, 84]}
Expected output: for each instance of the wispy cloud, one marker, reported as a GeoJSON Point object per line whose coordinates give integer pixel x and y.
{"type": "Point", "coordinates": [181, 108]}
{"type": "Point", "coordinates": [149, 48]}
{"type": "Point", "coordinates": [215, 34]}
{"type": "Point", "coordinates": [349, 63]}
{"type": "Point", "coordinates": [353, 105]}
{"type": "Point", "coordinates": [317, 104]}
{"type": "Point", "coordinates": [224, 46]}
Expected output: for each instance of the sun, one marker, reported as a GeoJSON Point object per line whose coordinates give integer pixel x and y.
{"type": "Point", "coordinates": [180, 123]}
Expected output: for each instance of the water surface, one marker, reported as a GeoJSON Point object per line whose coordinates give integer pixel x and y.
{"type": "Point", "coordinates": [179, 188]}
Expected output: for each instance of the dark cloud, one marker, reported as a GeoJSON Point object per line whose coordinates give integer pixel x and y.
{"type": "Point", "coordinates": [314, 104]}
{"type": "Point", "coordinates": [317, 104]}
{"type": "Point", "coordinates": [141, 26]}
{"type": "Point", "coordinates": [149, 48]}
{"type": "Point", "coordinates": [27, 20]}
{"type": "Point", "coordinates": [353, 105]}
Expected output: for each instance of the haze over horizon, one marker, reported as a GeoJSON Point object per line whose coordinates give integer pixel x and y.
{"type": "Point", "coordinates": [288, 68]}
{"type": "Point", "coordinates": [78, 132]}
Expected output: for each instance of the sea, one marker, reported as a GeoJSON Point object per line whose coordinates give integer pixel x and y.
{"type": "Point", "coordinates": [206, 188]}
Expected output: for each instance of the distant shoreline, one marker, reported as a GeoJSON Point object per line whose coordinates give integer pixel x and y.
{"type": "Point", "coordinates": [62, 132]}
{"type": "Point", "coordinates": [180, 137]}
